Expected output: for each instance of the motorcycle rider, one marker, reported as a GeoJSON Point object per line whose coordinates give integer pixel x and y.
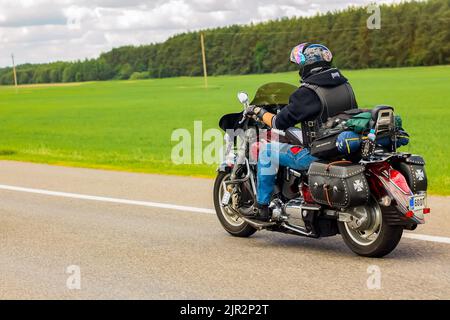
{"type": "Point", "coordinates": [324, 92]}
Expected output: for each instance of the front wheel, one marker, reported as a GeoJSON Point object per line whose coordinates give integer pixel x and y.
{"type": "Point", "coordinates": [372, 236]}
{"type": "Point", "coordinates": [230, 221]}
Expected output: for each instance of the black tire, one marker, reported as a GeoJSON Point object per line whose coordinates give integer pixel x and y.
{"type": "Point", "coordinates": [387, 241]}
{"type": "Point", "coordinates": [244, 230]}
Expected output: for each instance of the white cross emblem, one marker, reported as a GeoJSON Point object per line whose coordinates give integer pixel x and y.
{"type": "Point", "coordinates": [420, 175]}
{"type": "Point", "coordinates": [358, 186]}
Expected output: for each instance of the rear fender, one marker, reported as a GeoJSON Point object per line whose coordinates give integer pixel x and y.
{"type": "Point", "coordinates": [386, 181]}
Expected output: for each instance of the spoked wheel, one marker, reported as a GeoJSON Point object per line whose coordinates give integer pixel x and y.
{"type": "Point", "coordinates": [367, 233]}
{"type": "Point", "coordinates": [230, 221]}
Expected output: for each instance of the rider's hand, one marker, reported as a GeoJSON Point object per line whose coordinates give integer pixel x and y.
{"type": "Point", "coordinates": [251, 110]}
{"type": "Point", "coordinates": [256, 112]}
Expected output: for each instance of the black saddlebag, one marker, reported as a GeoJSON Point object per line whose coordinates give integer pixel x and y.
{"type": "Point", "coordinates": [413, 168]}
{"type": "Point", "coordinates": [338, 184]}
{"type": "Point", "coordinates": [325, 147]}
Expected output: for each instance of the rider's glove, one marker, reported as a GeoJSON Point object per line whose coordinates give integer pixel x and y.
{"type": "Point", "coordinates": [256, 112]}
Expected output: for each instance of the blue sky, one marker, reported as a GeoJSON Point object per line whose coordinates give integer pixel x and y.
{"type": "Point", "coordinates": [51, 30]}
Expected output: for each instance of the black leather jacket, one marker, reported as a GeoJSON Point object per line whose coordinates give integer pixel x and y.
{"type": "Point", "coordinates": [304, 104]}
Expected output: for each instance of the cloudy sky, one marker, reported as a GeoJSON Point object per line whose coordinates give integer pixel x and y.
{"type": "Point", "coordinates": [50, 30]}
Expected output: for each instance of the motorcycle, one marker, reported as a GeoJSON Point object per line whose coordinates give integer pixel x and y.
{"type": "Point", "coordinates": [369, 200]}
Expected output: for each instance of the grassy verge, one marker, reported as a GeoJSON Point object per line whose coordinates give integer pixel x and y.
{"type": "Point", "coordinates": [127, 125]}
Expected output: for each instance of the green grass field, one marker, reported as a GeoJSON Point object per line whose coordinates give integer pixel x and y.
{"type": "Point", "coordinates": [128, 125]}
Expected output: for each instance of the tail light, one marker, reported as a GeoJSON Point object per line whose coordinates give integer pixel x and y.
{"type": "Point", "coordinates": [409, 214]}
{"type": "Point", "coordinates": [426, 211]}
{"type": "Point", "coordinates": [307, 194]}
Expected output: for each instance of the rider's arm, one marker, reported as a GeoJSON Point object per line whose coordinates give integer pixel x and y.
{"type": "Point", "coordinates": [303, 105]}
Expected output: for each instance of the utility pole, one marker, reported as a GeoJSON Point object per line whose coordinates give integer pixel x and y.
{"type": "Point", "coordinates": [205, 70]}
{"type": "Point", "coordinates": [14, 70]}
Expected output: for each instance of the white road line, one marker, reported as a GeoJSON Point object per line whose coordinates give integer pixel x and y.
{"type": "Point", "coordinates": [169, 206]}
{"type": "Point", "coordinates": [107, 199]}
{"type": "Point", "coordinates": [424, 237]}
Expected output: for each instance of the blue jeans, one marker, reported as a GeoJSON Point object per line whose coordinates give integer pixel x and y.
{"type": "Point", "coordinates": [271, 157]}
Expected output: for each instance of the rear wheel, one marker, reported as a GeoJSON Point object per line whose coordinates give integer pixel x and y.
{"type": "Point", "coordinates": [369, 235]}
{"type": "Point", "coordinates": [230, 221]}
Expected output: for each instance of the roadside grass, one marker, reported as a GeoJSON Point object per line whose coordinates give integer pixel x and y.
{"type": "Point", "coordinates": [122, 125]}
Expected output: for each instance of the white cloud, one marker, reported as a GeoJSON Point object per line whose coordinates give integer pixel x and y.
{"type": "Point", "coordinates": [50, 30]}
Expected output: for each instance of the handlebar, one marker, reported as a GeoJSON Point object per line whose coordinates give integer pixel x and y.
{"type": "Point", "coordinates": [244, 117]}
{"type": "Point", "coordinates": [281, 133]}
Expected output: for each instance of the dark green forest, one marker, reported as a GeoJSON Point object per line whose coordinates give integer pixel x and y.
{"type": "Point", "coordinates": [411, 34]}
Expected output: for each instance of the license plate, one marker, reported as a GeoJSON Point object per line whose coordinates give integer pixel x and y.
{"type": "Point", "coordinates": [226, 198]}
{"type": "Point", "coordinates": [417, 203]}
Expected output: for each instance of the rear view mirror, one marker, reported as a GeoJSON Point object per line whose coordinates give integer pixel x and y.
{"type": "Point", "coordinates": [243, 98]}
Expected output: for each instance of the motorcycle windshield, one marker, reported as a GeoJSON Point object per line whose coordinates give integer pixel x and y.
{"type": "Point", "coordinates": [274, 94]}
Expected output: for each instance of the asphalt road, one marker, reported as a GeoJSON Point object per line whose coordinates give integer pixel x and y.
{"type": "Point", "coordinates": [139, 250]}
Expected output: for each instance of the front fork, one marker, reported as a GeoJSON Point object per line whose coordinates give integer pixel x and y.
{"type": "Point", "coordinates": [238, 161]}
{"type": "Point", "coordinates": [230, 186]}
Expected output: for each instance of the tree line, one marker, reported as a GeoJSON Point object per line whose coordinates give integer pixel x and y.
{"type": "Point", "coordinates": [411, 34]}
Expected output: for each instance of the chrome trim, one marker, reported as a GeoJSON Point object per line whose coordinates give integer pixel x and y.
{"type": "Point", "coordinates": [258, 225]}
{"type": "Point", "coordinates": [300, 231]}
{"type": "Point", "coordinates": [295, 173]}
{"type": "Point", "coordinates": [245, 179]}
